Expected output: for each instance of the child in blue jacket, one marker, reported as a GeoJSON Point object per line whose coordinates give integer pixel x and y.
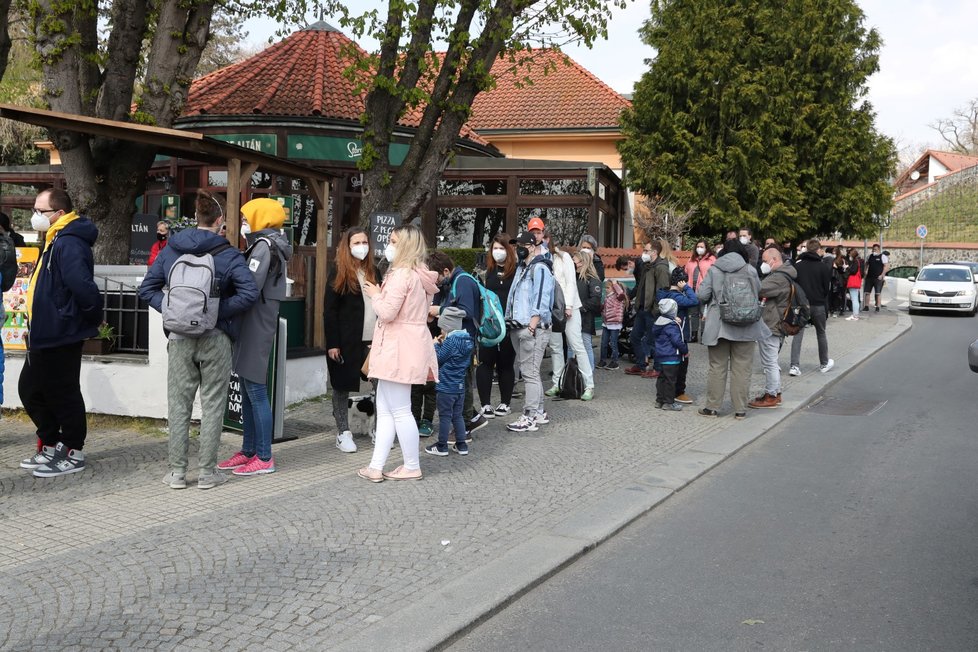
{"type": "Point", "coordinates": [669, 352]}
{"type": "Point", "coordinates": [454, 351]}
{"type": "Point", "coordinates": [682, 293]}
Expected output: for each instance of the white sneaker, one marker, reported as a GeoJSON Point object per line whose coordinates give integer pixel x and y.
{"type": "Point", "coordinates": [502, 410]}
{"type": "Point", "coordinates": [852, 318]}
{"type": "Point", "coordinates": [827, 366]}
{"type": "Point", "coordinates": [487, 412]}
{"type": "Point", "coordinates": [794, 371]}
{"type": "Point", "coordinates": [344, 442]}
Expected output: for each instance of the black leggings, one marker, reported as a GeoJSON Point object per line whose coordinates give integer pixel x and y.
{"type": "Point", "coordinates": [499, 358]}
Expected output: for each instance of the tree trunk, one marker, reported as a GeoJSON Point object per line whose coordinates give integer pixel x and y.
{"type": "Point", "coordinates": [4, 35]}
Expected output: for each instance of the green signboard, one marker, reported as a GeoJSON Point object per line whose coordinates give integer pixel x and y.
{"type": "Point", "coordinates": [342, 150]}
{"type": "Point", "coordinates": [287, 203]}
{"type": "Point", "coordinates": [264, 143]}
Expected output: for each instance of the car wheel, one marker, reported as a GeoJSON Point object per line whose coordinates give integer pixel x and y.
{"type": "Point", "coordinates": [911, 311]}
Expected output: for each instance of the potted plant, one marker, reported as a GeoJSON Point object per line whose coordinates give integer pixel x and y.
{"type": "Point", "coordinates": [101, 344]}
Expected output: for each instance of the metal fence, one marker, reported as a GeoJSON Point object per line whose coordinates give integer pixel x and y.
{"type": "Point", "coordinates": [126, 313]}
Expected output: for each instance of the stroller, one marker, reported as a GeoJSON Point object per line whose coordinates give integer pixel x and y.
{"type": "Point", "coordinates": [625, 336]}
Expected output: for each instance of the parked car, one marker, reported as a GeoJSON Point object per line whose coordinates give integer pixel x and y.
{"type": "Point", "coordinates": [973, 266]}
{"type": "Point", "coordinates": [899, 282]}
{"type": "Point", "coordinates": [944, 287]}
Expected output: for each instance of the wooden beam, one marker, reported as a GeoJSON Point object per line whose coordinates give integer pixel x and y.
{"type": "Point", "coordinates": [247, 170]}
{"type": "Point", "coordinates": [320, 190]}
{"type": "Point", "coordinates": [233, 204]}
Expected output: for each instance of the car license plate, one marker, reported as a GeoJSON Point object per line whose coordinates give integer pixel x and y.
{"type": "Point", "coordinates": [942, 300]}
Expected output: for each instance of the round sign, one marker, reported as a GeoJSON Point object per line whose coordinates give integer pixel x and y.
{"type": "Point", "coordinates": [921, 231]}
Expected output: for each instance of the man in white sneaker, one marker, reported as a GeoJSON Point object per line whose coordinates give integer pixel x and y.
{"type": "Point", "coordinates": [815, 278]}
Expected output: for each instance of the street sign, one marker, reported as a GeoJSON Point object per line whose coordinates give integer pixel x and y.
{"type": "Point", "coordinates": [921, 231]}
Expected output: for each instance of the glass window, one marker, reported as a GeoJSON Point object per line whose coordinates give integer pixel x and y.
{"type": "Point", "coordinates": [945, 274]}
{"type": "Point", "coordinates": [565, 225]}
{"type": "Point", "coordinates": [553, 186]}
{"type": "Point", "coordinates": [217, 178]}
{"type": "Point", "coordinates": [191, 178]}
{"type": "Point", "coordinates": [468, 227]}
{"type": "Point", "coordinates": [261, 180]}
{"type": "Point", "coordinates": [472, 187]}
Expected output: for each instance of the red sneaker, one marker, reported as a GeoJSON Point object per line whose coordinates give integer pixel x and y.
{"type": "Point", "coordinates": [233, 462]}
{"type": "Point", "coordinates": [256, 466]}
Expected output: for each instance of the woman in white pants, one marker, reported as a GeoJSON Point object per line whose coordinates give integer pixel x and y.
{"type": "Point", "coordinates": [566, 276]}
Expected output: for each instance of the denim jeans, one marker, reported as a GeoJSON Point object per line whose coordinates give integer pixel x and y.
{"type": "Point", "coordinates": [854, 297]}
{"type": "Point", "coordinates": [450, 416]}
{"type": "Point", "coordinates": [769, 347]}
{"type": "Point", "coordinates": [257, 414]}
{"type": "Point", "coordinates": [642, 336]}
{"type": "Point", "coordinates": [609, 344]}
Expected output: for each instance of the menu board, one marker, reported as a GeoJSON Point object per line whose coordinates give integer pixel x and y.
{"type": "Point", "coordinates": [15, 300]}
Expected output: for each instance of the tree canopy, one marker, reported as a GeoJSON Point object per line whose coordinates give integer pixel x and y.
{"type": "Point", "coordinates": [754, 113]}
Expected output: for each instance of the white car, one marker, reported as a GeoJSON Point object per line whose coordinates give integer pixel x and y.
{"type": "Point", "coordinates": [944, 287]}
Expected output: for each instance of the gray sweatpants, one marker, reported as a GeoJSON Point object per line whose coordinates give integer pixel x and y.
{"type": "Point", "coordinates": [204, 363]}
{"type": "Point", "coordinates": [529, 357]}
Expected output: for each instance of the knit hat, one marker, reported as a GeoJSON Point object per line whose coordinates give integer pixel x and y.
{"type": "Point", "coordinates": [264, 213]}
{"type": "Point", "coordinates": [678, 274]}
{"type": "Point", "coordinates": [451, 319]}
{"type": "Point", "coordinates": [668, 307]}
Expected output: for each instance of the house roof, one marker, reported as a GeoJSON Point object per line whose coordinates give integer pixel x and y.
{"type": "Point", "coordinates": [545, 90]}
{"type": "Point", "coordinates": [905, 185]}
{"type": "Point", "coordinates": [300, 76]}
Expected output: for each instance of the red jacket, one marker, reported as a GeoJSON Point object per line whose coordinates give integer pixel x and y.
{"type": "Point", "coordinates": [155, 250]}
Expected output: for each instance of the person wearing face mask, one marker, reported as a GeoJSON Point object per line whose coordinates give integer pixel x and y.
{"type": "Point", "coordinates": [64, 307]}
{"type": "Point", "coordinates": [876, 267]}
{"type": "Point", "coordinates": [500, 270]}
{"type": "Point", "coordinates": [699, 264]}
{"type": "Point", "coordinates": [349, 323]}
{"type": "Point", "coordinates": [565, 274]}
{"type": "Point", "coordinates": [753, 254]}
{"type": "Point", "coordinates": [775, 293]}
{"type": "Point", "coordinates": [162, 234]}
{"type": "Point", "coordinates": [654, 276]}
{"type": "Point", "coordinates": [201, 363]}
{"type": "Point", "coordinates": [589, 247]}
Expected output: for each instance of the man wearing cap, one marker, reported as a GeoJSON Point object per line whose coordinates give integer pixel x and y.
{"type": "Point", "coordinates": [536, 227]}
{"type": "Point", "coordinates": [528, 316]}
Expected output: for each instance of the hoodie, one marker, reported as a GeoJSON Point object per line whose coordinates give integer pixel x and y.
{"type": "Point", "coordinates": [670, 348]}
{"type": "Point", "coordinates": [775, 292]}
{"type": "Point", "coordinates": [729, 264]}
{"type": "Point", "coordinates": [238, 289]}
{"type": "Point", "coordinates": [814, 277]}
{"type": "Point", "coordinates": [64, 305]}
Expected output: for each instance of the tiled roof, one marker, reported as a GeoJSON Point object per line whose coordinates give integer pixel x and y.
{"type": "Point", "coordinates": [566, 97]}
{"type": "Point", "coordinates": [954, 162]}
{"type": "Point", "coordinates": [302, 75]}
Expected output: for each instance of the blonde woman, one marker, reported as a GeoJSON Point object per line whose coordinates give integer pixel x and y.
{"type": "Point", "coordinates": [402, 353]}
{"type": "Point", "coordinates": [565, 274]}
{"type": "Point", "coordinates": [667, 254]}
{"type": "Point", "coordinates": [589, 290]}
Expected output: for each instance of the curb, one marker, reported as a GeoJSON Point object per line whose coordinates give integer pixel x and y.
{"type": "Point", "coordinates": [490, 588]}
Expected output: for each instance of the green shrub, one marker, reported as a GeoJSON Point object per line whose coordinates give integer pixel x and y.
{"type": "Point", "coordinates": [464, 258]}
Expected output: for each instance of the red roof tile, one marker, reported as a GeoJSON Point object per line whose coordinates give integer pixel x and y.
{"type": "Point", "coordinates": [953, 161]}
{"type": "Point", "coordinates": [566, 97]}
{"type": "Point", "coordinates": [301, 75]}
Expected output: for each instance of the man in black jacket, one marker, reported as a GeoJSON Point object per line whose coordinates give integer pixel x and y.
{"type": "Point", "coordinates": [815, 278]}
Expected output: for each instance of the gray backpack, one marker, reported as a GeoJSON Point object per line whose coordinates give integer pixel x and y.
{"type": "Point", "coordinates": [192, 296]}
{"type": "Point", "coordinates": [738, 301]}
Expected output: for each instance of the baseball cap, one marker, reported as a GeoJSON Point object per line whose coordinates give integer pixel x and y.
{"type": "Point", "coordinates": [535, 223]}
{"type": "Point", "coordinates": [524, 238]}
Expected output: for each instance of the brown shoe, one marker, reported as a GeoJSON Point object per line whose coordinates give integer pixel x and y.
{"type": "Point", "coordinates": [685, 399]}
{"type": "Point", "coordinates": [779, 398]}
{"type": "Point", "coordinates": [651, 373]}
{"type": "Point", "coordinates": [765, 401]}
{"type": "Point", "coordinates": [635, 370]}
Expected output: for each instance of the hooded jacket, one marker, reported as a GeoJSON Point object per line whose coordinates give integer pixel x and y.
{"type": "Point", "coordinates": [64, 305]}
{"type": "Point", "coordinates": [655, 278]}
{"type": "Point", "coordinates": [238, 289]}
{"type": "Point", "coordinates": [403, 351]}
{"type": "Point", "coordinates": [685, 299]}
{"type": "Point", "coordinates": [814, 277]}
{"type": "Point", "coordinates": [466, 297]}
{"type": "Point", "coordinates": [776, 290]}
{"type": "Point", "coordinates": [713, 327]}
{"type": "Point", "coordinates": [669, 344]}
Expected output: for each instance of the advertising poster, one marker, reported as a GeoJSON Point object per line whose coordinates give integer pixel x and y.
{"type": "Point", "coordinates": [15, 300]}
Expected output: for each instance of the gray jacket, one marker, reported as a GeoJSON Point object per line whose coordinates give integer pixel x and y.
{"type": "Point", "coordinates": [776, 290]}
{"type": "Point", "coordinates": [708, 294]}
{"type": "Point", "coordinates": [258, 325]}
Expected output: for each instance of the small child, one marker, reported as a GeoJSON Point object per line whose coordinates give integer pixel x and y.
{"type": "Point", "coordinates": [669, 351]}
{"type": "Point", "coordinates": [613, 314]}
{"type": "Point", "coordinates": [454, 350]}
{"type": "Point", "coordinates": [682, 293]}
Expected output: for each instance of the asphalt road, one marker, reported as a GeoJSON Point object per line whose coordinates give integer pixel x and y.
{"type": "Point", "coordinates": [832, 532]}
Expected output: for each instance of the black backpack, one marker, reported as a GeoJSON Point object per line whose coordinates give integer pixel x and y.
{"type": "Point", "coordinates": [571, 381]}
{"type": "Point", "coordinates": [8, 262]}
{"type": "Point", "coordinates": [799, 310]}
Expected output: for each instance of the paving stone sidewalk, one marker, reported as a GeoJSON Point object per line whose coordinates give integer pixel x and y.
{"type": "Point", "coordinates": [312, 557]}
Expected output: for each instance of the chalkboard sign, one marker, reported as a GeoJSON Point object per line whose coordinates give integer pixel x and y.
{"type": "Point", "coordinates": [142, 238]}
{"type": "Point", "coordinates": [381, 226]}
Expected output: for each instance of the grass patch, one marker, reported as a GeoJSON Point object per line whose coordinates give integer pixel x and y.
{"type": "Point", "coordinates": [140, 425]}
{"type": "Point", "coordinates": [950, 216]}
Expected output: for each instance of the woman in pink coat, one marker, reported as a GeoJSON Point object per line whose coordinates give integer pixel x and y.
{"type": "Point", "coordinates": [699, 264]}
{"type": "Point", "coordinates": [402, 353]}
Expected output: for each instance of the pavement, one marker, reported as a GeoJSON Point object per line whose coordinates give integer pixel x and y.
{"type": "Point", "coordinates": [312, 557]}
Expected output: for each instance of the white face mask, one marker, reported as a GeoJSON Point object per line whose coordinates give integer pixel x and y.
{"type": "Point", "coordinates": [744, 240]}
{"type": "Point", "coordinates": [245, 228]}
{"type": "Point", "coordinates": [587, 252]}
{"type": "Point", "coordinates": [499, 255]}
{"type": "Point", "coordinates": [389, 252]}
{"type": "Point", "coordinates": [700, 251]}
{"type": "Point", "coordinates": [360, 251]}
{"type": "Point", "coordinates": [646, 257]}
{"type": "Point", "coordinates": [803, 250]}
{"type": "Point", "coordinates": [765, 268]}
{"type": "Point", "coordinates": [40, 221]}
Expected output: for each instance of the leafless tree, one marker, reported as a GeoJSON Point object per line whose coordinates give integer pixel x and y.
{"type": "Point", "coordinates": [661, 217]}
{"type": "Point", "coordinates": [960, 131]}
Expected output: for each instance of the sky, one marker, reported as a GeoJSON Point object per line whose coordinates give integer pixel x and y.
{"type": "Point", "coordinates": [928, 62]}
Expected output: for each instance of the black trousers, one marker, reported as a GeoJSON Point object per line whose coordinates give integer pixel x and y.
{"type": "Point", "coordinates": [665, 384]}
{"type": "Point", "coordinates": [501, 359]}
{"type": "Point", "coordinates": [423, 401]}
{"type": "Point", "coordinates": [50, 390]}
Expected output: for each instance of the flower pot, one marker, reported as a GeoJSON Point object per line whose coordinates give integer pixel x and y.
{"type": "Point", "coordinates": [97, 347]}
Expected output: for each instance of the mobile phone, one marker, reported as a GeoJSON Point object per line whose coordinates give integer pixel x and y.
{"type": "Point", "coordinates": [340, 359]}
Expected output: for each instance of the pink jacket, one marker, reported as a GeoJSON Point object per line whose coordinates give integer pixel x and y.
{"type": "Point", "coordinates": [613, 311]}
{"type": "Point", "coordinates": [704, 263]}
{"type": "Point", "coordinates": [402, 350]}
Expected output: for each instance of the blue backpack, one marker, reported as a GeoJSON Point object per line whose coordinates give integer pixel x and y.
{"type": "Point", "coordinates": [492, 323]}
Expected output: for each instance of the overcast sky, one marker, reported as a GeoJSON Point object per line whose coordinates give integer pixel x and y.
{"type": "Point", "coordinates": [928, 63]}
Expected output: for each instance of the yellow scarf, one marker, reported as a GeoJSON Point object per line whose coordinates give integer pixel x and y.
{"type": "Point", "coordinates": [49, 236]}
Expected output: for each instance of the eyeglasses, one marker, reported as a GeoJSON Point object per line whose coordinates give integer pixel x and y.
{"type": "Point", "coordinates": [45, 210]}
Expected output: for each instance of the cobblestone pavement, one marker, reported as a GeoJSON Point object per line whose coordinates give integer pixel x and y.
{"type": "Point", "coordinates": [310, 556]}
